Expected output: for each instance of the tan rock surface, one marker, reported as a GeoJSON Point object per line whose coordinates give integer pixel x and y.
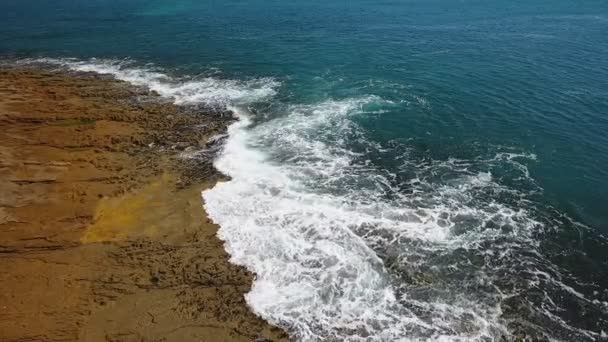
{"type": "Point", "coordinates": [103, 236]}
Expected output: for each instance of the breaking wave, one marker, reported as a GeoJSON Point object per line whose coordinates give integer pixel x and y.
{"type": "Point", "coordinates": [346, 250]}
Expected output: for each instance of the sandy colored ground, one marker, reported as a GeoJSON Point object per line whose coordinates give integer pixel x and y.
{"type": "Point", "coordinates": [102, 232]}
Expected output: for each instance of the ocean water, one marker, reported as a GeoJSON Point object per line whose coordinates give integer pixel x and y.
{"type": "Point", "coordinates": [400, 170]}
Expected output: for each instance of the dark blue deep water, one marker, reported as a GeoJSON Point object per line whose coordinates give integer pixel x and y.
{"type": "Point", "coordinates": [401, 170]}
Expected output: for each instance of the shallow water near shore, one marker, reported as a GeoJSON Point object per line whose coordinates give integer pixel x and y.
{"type": "Point", "coordinates": [398, 170]}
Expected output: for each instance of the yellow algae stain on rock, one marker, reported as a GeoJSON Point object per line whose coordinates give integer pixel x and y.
{"type": "Point", "coordinates": [135, 214]}
{"type": "Point", "coordinates": [161, 210]}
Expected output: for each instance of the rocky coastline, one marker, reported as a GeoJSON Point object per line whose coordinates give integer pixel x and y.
{"type": "Point", "coordinates": [103, 235]}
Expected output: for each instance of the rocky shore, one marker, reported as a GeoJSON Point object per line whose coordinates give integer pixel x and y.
{"type": "Point", "coordinates": [103, 236]}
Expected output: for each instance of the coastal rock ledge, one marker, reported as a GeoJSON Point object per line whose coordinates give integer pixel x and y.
{"type": "Point", "coordinates": [103, 236]}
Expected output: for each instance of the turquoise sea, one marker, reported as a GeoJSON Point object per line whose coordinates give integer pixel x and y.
{"type": "Point", "coordinates": [401, 170]}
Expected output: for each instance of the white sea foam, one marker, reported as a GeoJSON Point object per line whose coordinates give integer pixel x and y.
{"type": "Point", "coordinates": [310, 241]}
{"type": "Point", "coordinates": [208, 90]}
